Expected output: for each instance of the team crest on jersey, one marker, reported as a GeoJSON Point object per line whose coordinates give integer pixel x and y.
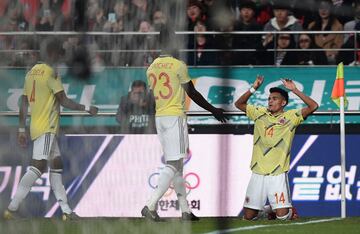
{"type": "Point", "coordinates": [282, 121]}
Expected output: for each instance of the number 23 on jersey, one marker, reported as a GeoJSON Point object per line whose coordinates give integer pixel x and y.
{"type": "Point", "coordinates": [165, 91]}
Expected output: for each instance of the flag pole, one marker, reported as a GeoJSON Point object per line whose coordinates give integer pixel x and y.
{"type": "Point", "coordinates": [342, 155]}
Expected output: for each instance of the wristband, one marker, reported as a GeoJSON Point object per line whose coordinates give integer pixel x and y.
{"type": "Point", "coordinates": [252, 90]}
{"type": "Point", "coordinates": [87, 108]}
{"type": "Point", "coordinates": [21, 130]}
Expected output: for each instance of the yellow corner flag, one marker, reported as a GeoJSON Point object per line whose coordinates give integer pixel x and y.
{"type": "Point", "coordinates": [339, 86]}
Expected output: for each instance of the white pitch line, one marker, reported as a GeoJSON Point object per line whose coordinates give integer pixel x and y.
{"type": "Point", "coordinates": [271, 225]}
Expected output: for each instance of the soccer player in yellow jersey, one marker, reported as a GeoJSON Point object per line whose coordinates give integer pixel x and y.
{"type": "Point", "coordinates": [168, 79]}
{"type": "Point", "coordinates": [44, 92]}
{"type": "Point", "coordinates": [274, 130]}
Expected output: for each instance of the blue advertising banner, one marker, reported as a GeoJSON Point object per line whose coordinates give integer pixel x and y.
{"type": "Point", "coordinates": [315, 175]}
{"type": "Point", "coordinates": [113, 175]}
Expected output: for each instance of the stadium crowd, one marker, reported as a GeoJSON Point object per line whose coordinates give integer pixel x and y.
{"type": "Point", "coordinates": [200, 15]}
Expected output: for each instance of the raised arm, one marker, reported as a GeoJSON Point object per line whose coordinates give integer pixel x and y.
{"type": "Point", "coordinates": [242, 101]}
{"type": "Point", "coordinates": [311, 104]}
{"type": "Point", "coordinates": [70, 104]}
{"type": "Point", "coordinates": [218, 113]}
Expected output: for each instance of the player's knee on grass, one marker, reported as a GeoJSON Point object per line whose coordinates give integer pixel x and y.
{"type": "Point", "coordinates": [177, 164]}
{"type": "Point", "coordinates": [56, 163]}
{"type": "Point", "coordinates": [283, 214]}
{"type": "Point", "coordinates": [41, 165]}
{"type": "Point", "coordinates": [250, 214]}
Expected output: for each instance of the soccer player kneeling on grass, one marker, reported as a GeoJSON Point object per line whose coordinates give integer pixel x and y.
{"type": "Point", "coordinates": [44, 92]}
{"type": "Point", "coordinates": [274, 130]}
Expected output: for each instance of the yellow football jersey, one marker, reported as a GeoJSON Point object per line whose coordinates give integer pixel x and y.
{"type": "Point", "coordinates": [273, 137]}
{"type": "Point", "coordinates": [165, 76]}
{"type": "Point", "coordinates": [41, 85]}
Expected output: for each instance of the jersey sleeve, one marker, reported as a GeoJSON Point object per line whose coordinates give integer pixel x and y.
{"type": "Point", "coordinates": [253, 112]}
{"type": "Point", "coordinates": [295, 116]}
{"type": "Point", "coordinates": [183, 73]}
{"type": "Point", "coordinates": [24, 89]}
{"type": "Point", "coordinates": [54, 82]}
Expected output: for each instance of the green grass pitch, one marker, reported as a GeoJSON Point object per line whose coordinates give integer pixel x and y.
{"type": "Point", "coordinates": [173, 226]}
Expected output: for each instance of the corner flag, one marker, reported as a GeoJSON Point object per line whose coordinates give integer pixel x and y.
{"type": "Point", "coordinates": [339, 86]}
{"type": "Point", "coordinates": [338, 96]}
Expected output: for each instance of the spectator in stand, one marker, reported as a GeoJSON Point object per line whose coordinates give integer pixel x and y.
{"type": "Point", "coordinates": [140, 10]}
{"type": "Point", "coordinates": [9, 23]}
{"type": "Point", "coordinates": [307, 57]}
{"type": "Point", "coordinates": [64, 21]}
{"type": "Point", "coordinates": [12, 20]}
{"type": "Point", "coordinates": [95, 16]}
{"type": "Point", "coordinates": [350, 57]}
{"type": "Point", "coordinates": [264, 12]}
{"type": "Point", "coordinates": [202, 42]}
{"type": "Point", "coordinates": [144, 42]}
{"type": "Point", "coordinates": [209, 10]}
{"type": "Point", "coordinates": [247, 23]}
{"type": "Point", "coordinates": [117, 20]}
{"type": "Point", "coordinates": [30, 10]}
{"type": "Point", "coordinates": [46, 17]}
{"type": "Point", "coordinates": [158, 19]}
{"type": "Point", "coordinates": [194, 13]}
{"type": "Point", "coordinates": [282, 21]}
{"type": "Point", "coordinates": [343, 10]}
{"type": "Point", "coordinates": [3, 7]}
{"type": "Point", "coordinates": [118, 23]}
{"type": "Point", "coordinates": [58, 8]}
{"type": "Point", "coordinates": [216, 12]}
{"type": "Point", "coordinates": [326, 21]}
{"type": "Point", "coordinates": [305, 11]}
{"type": "Point", "coordinates": [349, 26]}
{"type": "Point", "coordinates": [281, 56]}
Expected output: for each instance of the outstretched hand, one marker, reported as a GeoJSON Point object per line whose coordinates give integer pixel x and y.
{"type": "Point", "coordinates": [259, 80]}
{"type": "Point", "coordinates": [289, 84]}
{"type": "Point", "coordinates": [93, 110]}
{"type": "Point", "coordinates": [218, 113]}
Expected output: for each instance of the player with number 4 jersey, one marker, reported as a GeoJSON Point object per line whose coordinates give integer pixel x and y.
{"type": "Point", "coordinates": [168, 79]}
{"type": "Point", "coordinates": [44, 93]}
{"type": "Point", "coordinates": [274, 130]}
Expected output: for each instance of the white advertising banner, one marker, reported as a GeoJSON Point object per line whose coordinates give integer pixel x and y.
{"type": "Point", "coordinates": [216, 172]}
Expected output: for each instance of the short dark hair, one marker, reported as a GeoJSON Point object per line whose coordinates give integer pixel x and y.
{"type": "Point", "coordinates": [248, 4]}
{"type": "Point", "coordinates": [138, 83]}
{"type": "Point", "coordinates": [281, 5]}
{"type": "Point", "coordinates": [54, 45]}
{"type": "Point", "coordinates": [282, 93]}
